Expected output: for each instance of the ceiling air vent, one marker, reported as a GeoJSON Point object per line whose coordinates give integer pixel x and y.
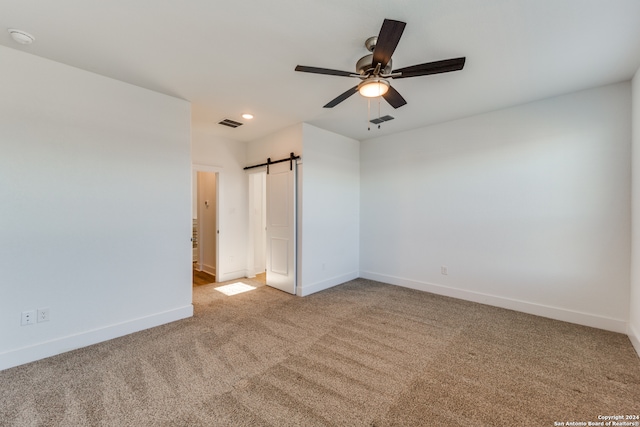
{"type": "Point", "coordinates": [381, 119]}
{"type": "Point", "coordinates": [230, 123]}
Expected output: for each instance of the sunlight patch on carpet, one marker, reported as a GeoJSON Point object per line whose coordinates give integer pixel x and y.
{"type": "Point", "coordinates": [235, 288]}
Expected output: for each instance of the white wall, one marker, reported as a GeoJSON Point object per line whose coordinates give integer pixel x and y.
{"type": "Point", "coordinates": [634, 299]}
{"type": "Point", "coordinates": [227, 158]}
{"type": "Point", "coordinates": [528, 207]}
{"type": "Point", "coordinates": [331, 209]}
{"type": "Point", "coordinates": [328, 202]}
{"type": "Point", "coordinates": [275, 146]}
{"type": "Point", "coordinates": [94, 207]}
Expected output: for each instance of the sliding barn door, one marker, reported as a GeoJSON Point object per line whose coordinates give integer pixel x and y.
{"type": "Point", "coordinates": [281, 226]}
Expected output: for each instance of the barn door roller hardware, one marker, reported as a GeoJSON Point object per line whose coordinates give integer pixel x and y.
{"type": "Point", "coordinates": [289, 159]}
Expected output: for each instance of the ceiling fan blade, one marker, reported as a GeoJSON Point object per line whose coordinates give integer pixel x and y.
{"type": "Point", "coordinates": [394, 98]}
{"type": "Point", "coordinates": [436, 67]}
{"type": "Point", "coordinates": [326, 71]}
{"type": "Point", "coordinates": [337, 100]}
{"type": "Point", "coordinates": [388, 39]}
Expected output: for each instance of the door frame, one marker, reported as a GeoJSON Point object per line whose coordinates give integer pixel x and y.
{"type": "Point", "coordinates": [218, 171]}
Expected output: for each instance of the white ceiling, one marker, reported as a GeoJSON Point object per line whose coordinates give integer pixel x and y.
{"type": "Point", "coordinates": [228, 57]}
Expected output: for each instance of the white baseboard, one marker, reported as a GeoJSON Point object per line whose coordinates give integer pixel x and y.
{"type": "Point", "coordinates": [571, 316]}
{"type": "Point", "coordinates": [208, 269]}
{"type": "Point", "coordinates": [305, 290]}
{"type": "Point", "coordinates": [634, 336]}
{"type": "Point", "coordinates": [39, 351]}
{"type": "Point", "coordinates": [232, 275]}
{"type": "Point", "coordinates": [250, 273]}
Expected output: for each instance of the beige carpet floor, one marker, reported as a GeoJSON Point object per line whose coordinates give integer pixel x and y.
{"type": "Point", "coordinates": [361, 354]}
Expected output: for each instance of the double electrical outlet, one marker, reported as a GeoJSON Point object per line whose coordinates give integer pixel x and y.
{"type": "Point", "coordinates": [30, 317]}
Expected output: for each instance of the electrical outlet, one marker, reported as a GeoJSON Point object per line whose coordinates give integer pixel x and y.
{"type": "Point", "coordinates": [444, 270]}
{"type": "Point", "coordinates": [28, 317]}
{"type": "Point", "coordinates": [43, 315]}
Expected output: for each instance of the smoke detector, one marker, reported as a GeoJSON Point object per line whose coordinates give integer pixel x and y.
{"type": "Point", "coordinates": [20, 36]}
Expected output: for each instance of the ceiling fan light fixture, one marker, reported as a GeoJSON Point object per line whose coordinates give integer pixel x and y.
{"type": "Point", "coordinates": [372, 88]}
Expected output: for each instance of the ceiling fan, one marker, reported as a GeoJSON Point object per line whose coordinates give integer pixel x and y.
{"type": "Point", "coordinates": [375, 68]}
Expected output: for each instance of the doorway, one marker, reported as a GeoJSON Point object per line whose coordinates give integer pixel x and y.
{"type": "Point", "coordinates": [205, 207]}
{"type": "Point", "coordinates": [257, 256]}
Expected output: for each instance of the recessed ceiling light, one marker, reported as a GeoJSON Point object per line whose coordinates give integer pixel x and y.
{"type": "Point", "coordinates": [247, 116]}
{"type": "Point", "coordinates": [20, 36]}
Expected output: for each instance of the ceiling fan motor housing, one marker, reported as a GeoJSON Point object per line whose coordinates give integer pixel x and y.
{"type": "Point", "coordinates": [365, 65]}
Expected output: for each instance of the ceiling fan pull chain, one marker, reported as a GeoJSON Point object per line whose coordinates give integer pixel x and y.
{"type": "Point", "coordinates": [368, 113]}
{"type": "Point", "coordinates": [379, 110]}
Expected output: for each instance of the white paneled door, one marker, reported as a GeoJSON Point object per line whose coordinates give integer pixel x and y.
{"type": "Point", "coordinates": [281, 226]}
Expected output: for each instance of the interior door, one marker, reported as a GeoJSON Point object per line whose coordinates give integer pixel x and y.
{"type": "Point", "coordinates": [281, 226]}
